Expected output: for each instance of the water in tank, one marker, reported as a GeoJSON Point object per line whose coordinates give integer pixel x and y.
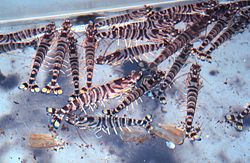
{"type": "Point", "coordinates": [121, 81]}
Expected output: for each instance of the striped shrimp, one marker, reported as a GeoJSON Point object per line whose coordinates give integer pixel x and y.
{"type": "Point", "coordinates": [129, 53]}
{"type": "Point", "coordinates": [135, 33]}
{"type": "Point", "coordinates": [181, 40]}
{"type": "Point", "coordinates": [42, 49]}
{"type": "Point", "coordinates": [22, 35]}
{"type": "Point", "coordinates": [74, 64]}
{"type": "Point", "coordinates": [132, 15]}
{"type": "Point", "coordinates": [224, 36]}
{"type": "Point", "coordinates": [148, 83]}
{"type": "Point", "coordinates": [182, 9]}
{"type": "Point", "coordinates": [94, 95]}
{"type": "Point", "coordinates": [217, 28]}
{"type": "Point", "coordinates": [106, 123]}
{"type": "Point", "coordinates": [237, 119]}
{"type": "Point", "coordinates": [220, 9]}
{"type": "Point", "coordinates": [17, 45]}
{"type": "Point", "coordinates": [90, 47]}
{"type": "Point", "coordinates": [61, 50]}
{"type": "Point", "coordinates": [193, 86]}
{"type": "Point", "coordinates": [240, 4]}
{"type": "Point", "coordinates": [174, 70]}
